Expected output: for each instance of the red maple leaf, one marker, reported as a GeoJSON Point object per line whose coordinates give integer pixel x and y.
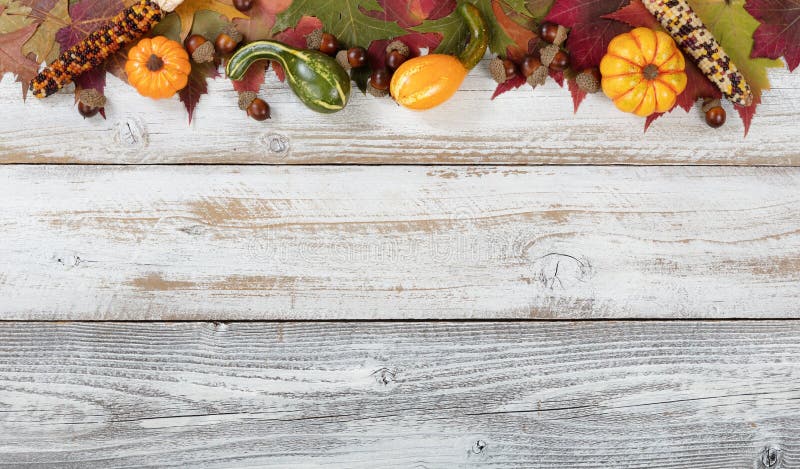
{"type": "Point", "coordinates": [779, 32]}
{"type": "Point", "coordinates": [590, 32]}
{"type": "Point", "coordinates": [578, 95]}
{"type": "Point", "coordinates": [514, 82]}
{"type": "Point", "coordinates": [197, 86]}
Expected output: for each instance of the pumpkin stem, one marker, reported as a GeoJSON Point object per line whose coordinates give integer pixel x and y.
{"type": "Point", "coordinates": [154, 63]}
{"type": "Point", "coordinates": [650, 72]}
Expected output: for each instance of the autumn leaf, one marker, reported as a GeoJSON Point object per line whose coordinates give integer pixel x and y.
{"type": "Point", "coordinates": [779, 32]}
{"type": "Point", "coordinates": [578, 95]}
{"type": "Point", "coordinates": [87, 16]}
{"type": "Point", "coordinates": [410, 13]}
{"type": "Point", "coordinates": [635, 14]}
{"type": "Point", "coordinates": [507, 37]}
{"type": "Point", "coordinates": [590, 32]}
{"type": "Point", "coordinates": [733, 27]}
{"type": "Point", "coordinates": [197, 86]}
{"type": "Point", "coordinates": [451, 29]}
{"type": "Point", "coordinates": [253, 78]}
{"type": "Point", "coordinates": [261, 18]}
{"type": "Point", "coordinates": [348, 20]}
{"type": "Point", "coordinates": [13, 16]}
{"type": "Point", "coordinates": [51, 16]}
{"type": "Point", "coordinates": [11, 58]}
{"type": "Point", "coordinates": [512, 83]}
{"type": "Point", "coordinates": [186, 12]}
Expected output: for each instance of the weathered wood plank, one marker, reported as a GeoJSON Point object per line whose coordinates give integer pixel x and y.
{"type": "Point", "coordinates": [435, 395]}
{"type": "Point", "coordinates": [520, 127]}
{"type": "Point", "coordinates": [252, 242]}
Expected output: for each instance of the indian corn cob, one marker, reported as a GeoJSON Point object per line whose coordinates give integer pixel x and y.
{"type": "Point", "coordinates": [688, 30]}
{"type": "Point", "coordinates": [127, 26]}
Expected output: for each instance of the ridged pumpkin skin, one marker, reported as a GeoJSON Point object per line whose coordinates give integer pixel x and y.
{"type": "Point", "coordinates": [643, 72]}
{"type": "Point", "coordinates": [158, 67]}
{"type": "Point", "coordinates": [428, 81]}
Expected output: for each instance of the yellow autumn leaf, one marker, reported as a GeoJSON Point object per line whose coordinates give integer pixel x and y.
{"type": "Point", "coordinates": [187, 9]}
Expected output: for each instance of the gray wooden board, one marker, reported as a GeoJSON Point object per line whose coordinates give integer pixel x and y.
{"type": "Point", "coordinates": [333, 242]}
{"type": "Point", "coordinates": [426, 395]}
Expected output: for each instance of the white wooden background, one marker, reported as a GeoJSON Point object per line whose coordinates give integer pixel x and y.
{"type": "Point", "coordinates": [444, 249]}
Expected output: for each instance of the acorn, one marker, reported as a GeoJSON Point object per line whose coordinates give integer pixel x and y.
{"type": "Point", "coordinates": [398, 46]}
{"type": "Point", "coordinates": [314, 40]}
{"type": "Point", "coordinates": [714, 112]}
{"type": "Point", "coordinates": [589, 80]}
{"type": "Point", "coordinates": [341, 57]}
{"type": "Point", "coordinates": [258, 110]}
{"type": "Point", "coordinates": [228, 39]}
{"type": "Point", "coordinates": [245, 98]}
{"type": "Point", "coordinates": [200, 49]}
{"type": "Point", "coordinates": [497, 69]}
{"type": "Point", "coordinates": [90, 101]}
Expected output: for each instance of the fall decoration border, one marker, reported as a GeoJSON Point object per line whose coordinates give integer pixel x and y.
{"type": "Point", "coordinates": [532, 41]}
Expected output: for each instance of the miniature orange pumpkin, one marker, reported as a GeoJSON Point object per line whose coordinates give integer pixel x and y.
{"type": "Point", "coordinates": [643, 72]}
{"type": "Point", "coordinates": [158, 67]}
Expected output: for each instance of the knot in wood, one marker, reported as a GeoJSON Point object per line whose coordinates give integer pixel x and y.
{"type": "Point", "coordinates": [129, 134]}
{"type": "Point", "coordinates": [479, 446]}
{"type": "Point", "coordinates": [385, 376]}
{"type": "Point", "coordinates": [276, 144]}
{"type": "Point", "coordinates": [770, 457]}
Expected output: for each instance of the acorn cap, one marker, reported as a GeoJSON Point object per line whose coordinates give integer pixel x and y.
{"type": "Point", "coordinates": [92, 97]}
{"type": "Point", "coordinates": [548, 53]}
{"type": "Point", "coordinates": [314, 40]}
{"type": "Point", "coordinates": [399, 46]}
{"type": "Point", "coordinates": [245, 98]}
{"type": "Point", "coordinates": [204, 53]}
{"type": "Point", "coordinates": [538, 77]}
{"type": "Point", "coordinates": [231, 31]}
{"type": "Point", "coordinates": [497, 70]}
{"type": "Point", "coordinates": [587, 82]}
{"type": "Point", "coordinates": [341, 57]}
{"type": "Point", "coordinates": [561, 35]}
{"type": "Point", "coordinates": [709, 104]}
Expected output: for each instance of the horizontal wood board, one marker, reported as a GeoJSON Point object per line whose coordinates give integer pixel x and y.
{"type": "Point", "coordinates": [520, 127]}
{"type": "Point", "coordinates": [364, 395]}
{"type": "Point", "coordinates": [272, 242]}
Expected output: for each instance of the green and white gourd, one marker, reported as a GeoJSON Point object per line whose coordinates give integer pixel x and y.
{"type": "Point", "coordinates": [317, 79]}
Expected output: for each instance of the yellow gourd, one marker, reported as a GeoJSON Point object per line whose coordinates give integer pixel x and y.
{"type": "Point", "coordinates": [158, 67]}
{"type": "Point", "coordinates": [428, 81]}
{"type": "Point", "coordinates": [643, 72]}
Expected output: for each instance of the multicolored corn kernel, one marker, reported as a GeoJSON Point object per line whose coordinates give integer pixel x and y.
{"type": "Point", "coordinates": [123, 29]}
{"type": "Point", "coordinates": [688, 30]}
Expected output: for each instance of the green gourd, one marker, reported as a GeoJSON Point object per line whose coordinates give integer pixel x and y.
{"type": "Point", "coordinates": [317, 79]}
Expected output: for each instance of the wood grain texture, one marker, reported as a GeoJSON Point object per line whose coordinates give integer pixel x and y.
{"type": "Point", "coordinates": [364, 395]}
{"type": "Point", "coordinates": [291, 242]}
{"type": "Point", "coordinates": [526, 127]}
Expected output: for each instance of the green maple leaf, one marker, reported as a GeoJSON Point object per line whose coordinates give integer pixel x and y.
{"type": "Point", "coordinates": [345, 19]}
{"type": "Point", "coordinates": [454, 32]}
{"type": "Point", "coordinates": [733, 27]}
